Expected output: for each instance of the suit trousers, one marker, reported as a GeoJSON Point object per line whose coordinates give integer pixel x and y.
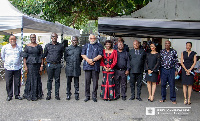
{"type": "Point", "coordinates": [136, 77]}
{"type": "Point", "coordinates": [168, 75]}
{"type": "Point", "coordinates": [53, 71]}
{"type": "Point", "coordinates": [120, 79]}
{"type": "Point", "coordinates": [94, 75]}
{"type": "Point", "coordinates": [11, 75]}
{"type": "Point", "coordinates": [76, 85]}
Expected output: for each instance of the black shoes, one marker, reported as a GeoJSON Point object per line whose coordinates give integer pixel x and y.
{"type": "Point", "coordinates": [86, 99]}
{"type": "Point", "coordinates": [68, 97]}
{"type": "Point", "coordinates": [138, 98]}
{"type": "Point", "coordinates": [57, 98]}
{"type": "Point", "coordinates": [117, 97]}
{"type": "Point", "coordinates": [18, 97]}
{"type": "Point", "coordinates": [48, 97]}
{"type": "Point", "coordinates": [76, 97]}
{"type": "Point", "coordinates": [94, 99]}
{"type": "Point", "coordinates": [9, 98]}
{"type": "Point", "coordinates": [123, 98]}
{"type": "Point", "coordinates": [132, 98]}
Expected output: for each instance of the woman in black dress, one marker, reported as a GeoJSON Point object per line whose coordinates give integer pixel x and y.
{"type": "Point", "coordinates": [188, 61]}
{"type": "Point", "coordinates": [152, 65]}
{"type": "Point", "coordinates": [33, 64]}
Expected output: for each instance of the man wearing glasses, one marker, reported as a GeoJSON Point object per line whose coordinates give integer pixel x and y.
{"type": "Point", "coordinates": [53, 52]}
{"type": "Point", "coordinates": [91, 53]}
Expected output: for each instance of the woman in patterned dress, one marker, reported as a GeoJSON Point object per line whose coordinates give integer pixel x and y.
{"type": "Point", "coordinates": [108, 62]}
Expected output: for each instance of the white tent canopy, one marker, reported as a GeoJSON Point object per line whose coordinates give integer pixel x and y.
{"type": "Point", "coordinates": [12, 21]}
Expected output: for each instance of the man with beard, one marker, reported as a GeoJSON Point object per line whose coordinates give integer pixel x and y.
{"type": "Point", "coordinates": [92, 53]}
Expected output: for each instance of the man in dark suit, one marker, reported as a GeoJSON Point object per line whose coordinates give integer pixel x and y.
{"type": "Point", "coordinates": [137, 59]}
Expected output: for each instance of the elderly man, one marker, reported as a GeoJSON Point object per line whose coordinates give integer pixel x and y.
{"type": "Point", "coordinates": [11, 55]}
{"type": "Point", "coordinates": [137, 59]}
{"type": "Point", "coordinates": [73, 70]}
{"type": "Point", "coordinates": [92, 53]}
{"type": "Point", "coordinates": [169, 67]}
{"type": "Point", "coordinates": [53, 52]}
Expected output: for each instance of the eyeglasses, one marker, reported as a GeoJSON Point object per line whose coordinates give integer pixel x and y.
{"type": "Point", "coordinates": [33, 37]}
{"type": "Point", "coordinates": [53, 36]}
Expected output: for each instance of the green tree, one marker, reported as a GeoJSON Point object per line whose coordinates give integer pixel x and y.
{"type": "Point", "coordinates": [78, 12]}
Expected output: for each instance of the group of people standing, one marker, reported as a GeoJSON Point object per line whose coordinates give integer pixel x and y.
{"type": "Point", "coordinates": [117, 63]}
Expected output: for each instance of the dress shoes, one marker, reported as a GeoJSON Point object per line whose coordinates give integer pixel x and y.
{"type": "Point", "coordinates": [138, 98]}
{"type": "Point", "coordinates": [76, 97]}
{"type": "Point", "coordinates": [86, 99]}
{"type": "Point", "coordinates": [34, 99]}
{"type": "Point", "coordinates": [48, 98]}
{"type": "Point", "coordinates": [68, 97]}
{"type": "Point", "coordinates": [94, 99]}
{"type": "Point", "coordinates": [123, 98]}
{"type": "Point", "coordinates": [18, 97]}
{"type": "Point", "coordinates": [117, 97]}
{"type": "Point", "coordinates": [57, 98]}
{"type": "Point", "coordinates": [9, 98]}
{"type": "Point", "coordinates": [132, 98]}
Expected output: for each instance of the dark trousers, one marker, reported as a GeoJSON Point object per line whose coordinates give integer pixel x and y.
{"type": "Point", "coordinates": [120, 78]}
{"type": "Point", "coordinates": [53, 71]}
{"type": "Point", "coordinates": [168, 75]}
{"type": "Point", "coordinates": [76, 85]}
{"type": "Point", "coordinates": [11, 75]}
{"type": "Point", "coordinates": [94, 75]}
{"type": "Point", "coordinates": [136, 77]}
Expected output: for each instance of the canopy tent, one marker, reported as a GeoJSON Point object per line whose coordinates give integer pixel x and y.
{"type": "Point", "coordinates": [160, 18]}
{"type": "Point", "coordinates": [12, 21]}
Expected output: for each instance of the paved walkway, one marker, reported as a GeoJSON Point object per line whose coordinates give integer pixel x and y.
{"type": "Point", "coordinates": [63, 110]}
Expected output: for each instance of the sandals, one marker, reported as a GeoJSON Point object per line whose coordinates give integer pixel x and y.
{"type": "Point", "coordinates": [161, 101]}
{"type": "Point", "coordinates": [174, 102]}
{"type": "Point", "coordinates": [189, 102]}
{"type": "Point", "coordinates": [185, 101]}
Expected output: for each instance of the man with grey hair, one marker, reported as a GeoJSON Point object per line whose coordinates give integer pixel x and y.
{"type": "Point", "coordinates": [73, 70]}
{"type": "Point", "coordinates": [137, 59]}
{"type": "Point", "coordinates": [92, 53]}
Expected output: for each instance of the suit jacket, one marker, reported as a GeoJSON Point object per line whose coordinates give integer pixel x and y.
{"type": "Point", "coordinates": [137, 61]}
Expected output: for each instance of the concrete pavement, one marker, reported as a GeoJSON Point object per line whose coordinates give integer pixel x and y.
{"type": "Point", "coordinates": [119, 110]}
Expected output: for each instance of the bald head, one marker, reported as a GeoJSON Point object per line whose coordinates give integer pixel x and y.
{"type": "Point", "coordinates": [136, 44]}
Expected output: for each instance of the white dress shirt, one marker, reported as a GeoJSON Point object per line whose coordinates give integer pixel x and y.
{"type": "Point", "coordinates": [11, 57]}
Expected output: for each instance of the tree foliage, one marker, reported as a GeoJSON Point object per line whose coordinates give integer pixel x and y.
{"type": "Point", "coordinates": [77, 12]}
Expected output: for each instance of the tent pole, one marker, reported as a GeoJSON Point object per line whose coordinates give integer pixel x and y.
{"type": "Point", "coordinates": [61, 37]}
{"type": "Point", "coordinates": [22, 71]}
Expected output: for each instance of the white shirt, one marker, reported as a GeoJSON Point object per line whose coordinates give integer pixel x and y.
{"type": "Point", "coordinates": [11, 57]}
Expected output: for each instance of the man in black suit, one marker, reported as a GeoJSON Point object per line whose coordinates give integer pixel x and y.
{"type": "Point", "coordinates": [137, 59]}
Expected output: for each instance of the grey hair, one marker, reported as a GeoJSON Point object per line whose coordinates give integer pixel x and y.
{"type": "Point", "coordinates": [92, 35]}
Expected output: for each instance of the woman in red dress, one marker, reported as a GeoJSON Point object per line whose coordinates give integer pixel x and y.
{"type": "Point", "coordinates": [108, 62]}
